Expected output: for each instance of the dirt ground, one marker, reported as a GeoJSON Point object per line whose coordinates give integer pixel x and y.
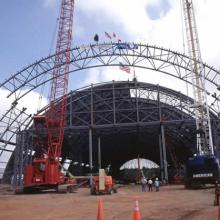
{"type": "Point", "coordinates": [172, 202]}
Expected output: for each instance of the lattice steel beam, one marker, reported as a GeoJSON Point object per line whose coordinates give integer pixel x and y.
{"type": "Point", "coordinates": [110, 54]}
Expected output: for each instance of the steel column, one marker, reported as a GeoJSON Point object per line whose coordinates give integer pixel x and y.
{"type": "Point", "coordinates": [90, 149]}
{"type": "Point", "coordinates": [99, 153]}
{"type": "Point", "coordinates": [164, 153]}
{"type": "Point", "coordinates": [161, 157]}
{"type": "Point", "coordinates": [71, 109]}
{"type": "Point", "coordinates": [113, 100]}
{"type": "Point", "coordinates": [90, 155]}
{"type": "Point", "coordinates": [19, 161]}
{"type": "Point", "coordinates": [137, 104]}
{"type": "Point", "coordinates": [91, 100]}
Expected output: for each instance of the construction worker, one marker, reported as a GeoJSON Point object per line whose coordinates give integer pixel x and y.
{"type": "Point", "coordinates": [157, 184]}
{"type": "Point", "coordinates": [143, 184]}
{"type": "Point", "coordinates": [150, 184]}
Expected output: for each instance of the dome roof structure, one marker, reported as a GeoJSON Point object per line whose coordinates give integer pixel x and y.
{"type": "Point", "coordinates": [133, 164]}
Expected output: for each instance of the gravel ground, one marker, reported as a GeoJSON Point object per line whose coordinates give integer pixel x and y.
{"type": "Point", "coordinates": [171, 202]}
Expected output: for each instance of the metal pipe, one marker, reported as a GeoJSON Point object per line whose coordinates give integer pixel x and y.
{"type": "Point", "coordinates": [90, 155]}
{"type": "Point", "coordinates": [164, 153]}
{"type": "Point", "coordinates": [161, 157]}
{"type": "Point", "coordinates": [99, 153]}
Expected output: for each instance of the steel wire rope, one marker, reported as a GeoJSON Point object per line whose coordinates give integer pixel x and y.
{"type": "Point", "coordinates": [43, 76]}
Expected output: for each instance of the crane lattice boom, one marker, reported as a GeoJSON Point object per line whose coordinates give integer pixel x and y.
{"type": "Point", "coordinates": [49, 128]}
{"type": "Point", "coordinates": [56, 113]}
{"type": "Point", "coordinates": [204, 134]}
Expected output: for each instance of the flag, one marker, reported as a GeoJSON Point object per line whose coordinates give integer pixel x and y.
{"type": "Point", "coordinates": [108, 35]}
{"type": "Point", "coordinates": [125, 68]}
{"type": "Point", "coordinates": [96, 38]}
{"type": "Point", "coordinates": [114, 35]}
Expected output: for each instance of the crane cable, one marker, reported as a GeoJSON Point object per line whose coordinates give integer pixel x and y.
{"type": "Point", "coordinates": [45, 76]}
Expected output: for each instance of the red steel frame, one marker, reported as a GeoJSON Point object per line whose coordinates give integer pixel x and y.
{"type": "Point", "coordinates": [44, 169]}
{"type": "Point", "coordinates": [56, 114]}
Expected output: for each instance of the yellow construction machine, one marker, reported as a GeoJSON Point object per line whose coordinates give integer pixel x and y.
{"type": "Point", "coordinates": [102, 184]}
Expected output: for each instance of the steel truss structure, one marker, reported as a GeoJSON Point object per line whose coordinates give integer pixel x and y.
{"type": "Point", "coordinates": [121, 107]}
{"type": "Point", "coordinates": [149, 57]}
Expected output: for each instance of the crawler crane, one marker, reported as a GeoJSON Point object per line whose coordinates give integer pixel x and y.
{"type": "Point", "coordinates": [45, 170]}
{"type": "Point", "coordinates": [204, 167]}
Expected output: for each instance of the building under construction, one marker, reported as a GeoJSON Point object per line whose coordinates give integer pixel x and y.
{"type": "Point", "coordinates": [128, 119]}
{"type": "Point", "coordinates": [113, 122]}
{"type": "Point", "coordinates": [112, 125]}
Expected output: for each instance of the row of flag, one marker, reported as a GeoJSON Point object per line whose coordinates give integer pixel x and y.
{"type": "Point", "coordinates": [113, 36]}
{"type": "Point", "coordinates": [107, 35]}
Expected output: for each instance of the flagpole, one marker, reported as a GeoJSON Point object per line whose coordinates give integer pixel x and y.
{"type": "Point", "coordinates": [134, 75]}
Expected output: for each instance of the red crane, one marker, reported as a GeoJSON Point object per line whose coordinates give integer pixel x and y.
{"type": "Point", "coordinates": [45, 171]}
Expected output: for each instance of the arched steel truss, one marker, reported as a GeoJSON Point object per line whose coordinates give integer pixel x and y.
{"type": "Point", "coordinates": [109, 54]}
{"type": "Point", "coordinates": [97, 55]}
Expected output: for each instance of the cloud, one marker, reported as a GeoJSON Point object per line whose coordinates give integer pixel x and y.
{"type": "Point", "coordinates": [209, 34]}
{"type": "Point", "coordinates": [136, 24]}
{"type": "Point", "coordinates": [157, 10]}
{"type": "Point", "coordinates": [32, 101]}
{"type": "Point", "coordinates": [133, 21]}
{"type": "Point", "coordinates": [105, 74]}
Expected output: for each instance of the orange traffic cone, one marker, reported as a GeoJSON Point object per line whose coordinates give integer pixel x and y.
{"type": "Point", "coordinates": [100, 210]}
{"type": "Point", "coordinates": [137, 214]}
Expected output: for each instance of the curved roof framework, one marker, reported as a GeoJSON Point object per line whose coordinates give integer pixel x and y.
{"type": "Point", "coordinates": [126, 106]}
{"type": "Point", "coordinates": [108, 54]}
{"type": "Point", "coordinates": [133, 164]}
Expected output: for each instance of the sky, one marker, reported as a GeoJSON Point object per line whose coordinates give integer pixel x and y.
{"type": "Point", "coordinates": [29, 28]}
